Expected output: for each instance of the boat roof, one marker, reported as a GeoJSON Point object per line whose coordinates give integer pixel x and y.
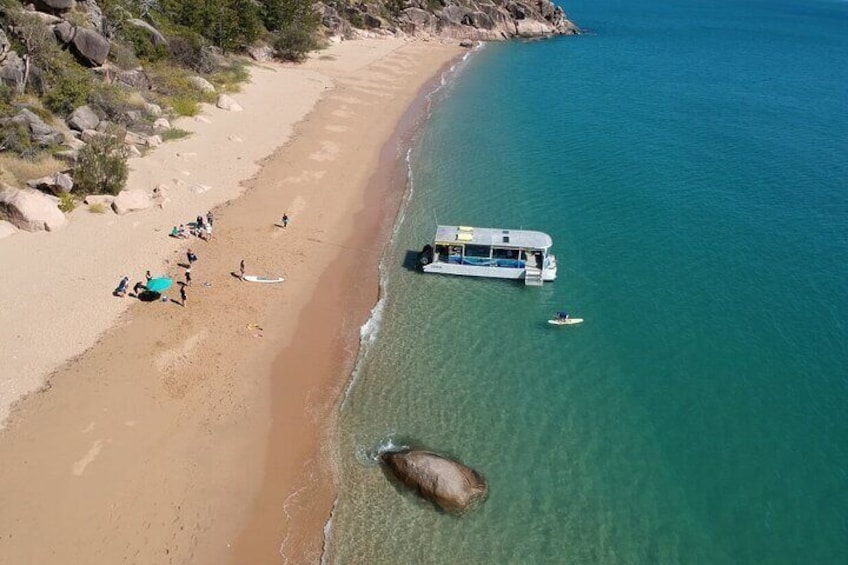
{"type": "Point", "coordinates": [495, 237]}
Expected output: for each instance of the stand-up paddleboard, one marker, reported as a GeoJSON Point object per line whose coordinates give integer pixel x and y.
{"type": "Point", "coordinates": [566, 322]}
{"type": "Point", "coordinates": [259, 279]}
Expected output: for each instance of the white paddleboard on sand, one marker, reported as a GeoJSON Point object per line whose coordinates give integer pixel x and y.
{"type": "Point", "coordinates": [267, 280]}
{"type": "Point", "coordinates": [566, 322]}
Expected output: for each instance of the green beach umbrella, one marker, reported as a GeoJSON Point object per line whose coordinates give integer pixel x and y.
{"type": "Point", "coordinates": [159, 284]}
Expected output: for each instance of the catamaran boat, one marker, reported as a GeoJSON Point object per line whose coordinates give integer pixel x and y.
{"type": "Point", "coordinates": [490, 252]}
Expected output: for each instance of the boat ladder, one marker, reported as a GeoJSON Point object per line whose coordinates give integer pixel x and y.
{"type": "Point", "coordinates": [533, 277]}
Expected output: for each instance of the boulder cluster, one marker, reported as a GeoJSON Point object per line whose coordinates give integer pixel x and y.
{"type": "Point", "coordinates": [465, 20]}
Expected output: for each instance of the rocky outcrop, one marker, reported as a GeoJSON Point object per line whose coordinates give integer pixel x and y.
{"type": "Point", "coordinates": [64, 32]}
{"type": "Point", "coordinates": [91, 46]}
{"type": "Point", "coordinates": [134, 78]}
{"type": "Point", "coordinates": [11, 64]}
{"type": "Point", "coordinates": [484, 20]}
{"type": "Point", "coordinates": [135, 138]}
{"type": "Point", "coordinates": [56, 184]}
{"type": "Point", "coordinates": [447, 483]}
{"type": "Point", "coordinates": [161, 124]}
{"type": "Point", "coordinates": [131, 201]}
{"type": "Point", "coordinates": [261, 52]}
{"type": "Point", "coordinates": [227, 103]}
{"type": "Point", "coordinates": [39, 132]}
{"type": "Point", "coordinates": [101, 199]}
{"type": "Point", "coordinates": [155, 35]}
{"type": "Point", "coordinates": [83, 118]}
{"type": "Point", "coordinates": [55, 5]}
{"type": "Point", "coordinates": [202, 84]}
{"type": "Point", "coordinates": [30, 210]}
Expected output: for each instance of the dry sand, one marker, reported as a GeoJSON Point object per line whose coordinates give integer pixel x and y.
{"type": "Point", "coordinates": [196, 434]}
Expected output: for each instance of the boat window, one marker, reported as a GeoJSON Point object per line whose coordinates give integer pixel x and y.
{"type": "Point", "coordinates": [477, 250]}
{"type": "Point", "coordinates": [505, 253]}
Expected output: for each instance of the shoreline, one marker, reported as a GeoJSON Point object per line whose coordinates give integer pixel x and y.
{"type": "Point", "coordinates": [308, 509]}
{"type": "Point", "coordinates": [144, 436]}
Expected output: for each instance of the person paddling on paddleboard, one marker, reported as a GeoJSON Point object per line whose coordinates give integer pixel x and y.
{"type": "Point", "coordinates": [562, 316]}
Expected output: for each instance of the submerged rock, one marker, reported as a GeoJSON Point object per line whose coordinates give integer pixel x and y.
{"type": "Point", "coordinates": [447, 483]}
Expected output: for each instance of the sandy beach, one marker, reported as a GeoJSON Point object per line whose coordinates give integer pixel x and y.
{"type": "Point", "coordinates": [198, 434]}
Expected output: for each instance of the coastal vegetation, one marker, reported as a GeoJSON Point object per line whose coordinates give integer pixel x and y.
{"type": "Point", "coordinates": [86, 84]}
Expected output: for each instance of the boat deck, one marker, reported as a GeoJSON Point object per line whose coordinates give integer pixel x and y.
{"type": "Point", "coordinates": [509, 239]}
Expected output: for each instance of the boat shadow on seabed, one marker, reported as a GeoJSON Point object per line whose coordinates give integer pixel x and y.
{"type": "Point", "coordinates": [410, 260]}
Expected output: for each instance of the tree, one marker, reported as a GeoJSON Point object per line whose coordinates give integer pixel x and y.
{"type": "Point", "coordinates": [40, 47]}
{"type": "Point", "coordinates": [281, 14]}
{"type": "Point", "coordinates": [102, 165]}
{"type": "Point", "coordinates": [228, 24]}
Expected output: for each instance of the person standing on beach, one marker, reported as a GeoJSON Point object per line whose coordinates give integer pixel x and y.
{"type": "Point", "coordinates": [241, 270]}
{"type": "Point", "coordinates": [191, 257]}
{"type": "Point", "coordinates": [285, 220]}
{"type": "Point", "coordinates": [188, 277]}
{"type": "Point", "coordinates": [148, 276]}
{"type": "Point", "coordinates": [183, 296]}
{"type": "Point", "coordinates": [209, 217]}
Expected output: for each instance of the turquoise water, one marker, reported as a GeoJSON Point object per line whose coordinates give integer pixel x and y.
{"type": "Point", "coordinates": [689, 160]}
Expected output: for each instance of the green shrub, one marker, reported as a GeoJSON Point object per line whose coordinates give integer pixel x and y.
{"type": "Point", "coordinates": [142, 44]}
{"type": "Point", "coordinates": [67, 202]}
{"type": "Point", "coordinates": [123, 56]}
{"type": "Point", "coordinates": [184, 106]}
{"type": "Point", "coordinates": [112, 102]}
{"type": "Point", "coordinates": [189, 50]}
{"type": "Point", "coordinates": [293, 43]}
{"type": "Point", "coordinates": [102, 166]}
{"type": "Point", "coordinates": [174, 133]}
{"type": "Point", "coordinates": [15, 139]}
{"type": "Point", "coordinates": [69, 91]}
{"type": "Point", "coordinates": [7, 95]}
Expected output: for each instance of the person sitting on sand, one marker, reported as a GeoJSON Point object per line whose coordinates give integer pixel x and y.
{"type": "Point", "coordinates": [175, 232]}
{"type": "Point", "coordinates": [121, 291]}
{"type": "Point", "coordinates": [181, 233]}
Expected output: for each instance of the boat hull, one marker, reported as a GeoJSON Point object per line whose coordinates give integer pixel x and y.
{"type": "Point", "coordinates": [483, 271]}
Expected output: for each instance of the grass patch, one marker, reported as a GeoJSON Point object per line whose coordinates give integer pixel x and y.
{"type": "Point", "coordinates": [97, 208]}
{"type": "Point", "coordinates": [174, 133]}
{"type": "Point", "coordinates": [184, 106]}
{"type": "Point", "coordinates": [17, 171]}
{"type": "Point", "coordinates": [231, 77]}
{"type": "Point", "coordinates": [67, 202]}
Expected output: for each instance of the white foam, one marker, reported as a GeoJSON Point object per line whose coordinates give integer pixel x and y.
{"type": "Point", "coordinates": [328, 534]}
{"type": "Point", "coordinates": [371, 328]}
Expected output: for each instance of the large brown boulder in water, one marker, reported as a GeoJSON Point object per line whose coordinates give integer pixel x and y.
{"type": "Point", "coordinates": [449, 484]}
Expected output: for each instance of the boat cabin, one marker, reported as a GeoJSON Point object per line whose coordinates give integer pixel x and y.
{"type": "Point", "coordinates": [490, 252]}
